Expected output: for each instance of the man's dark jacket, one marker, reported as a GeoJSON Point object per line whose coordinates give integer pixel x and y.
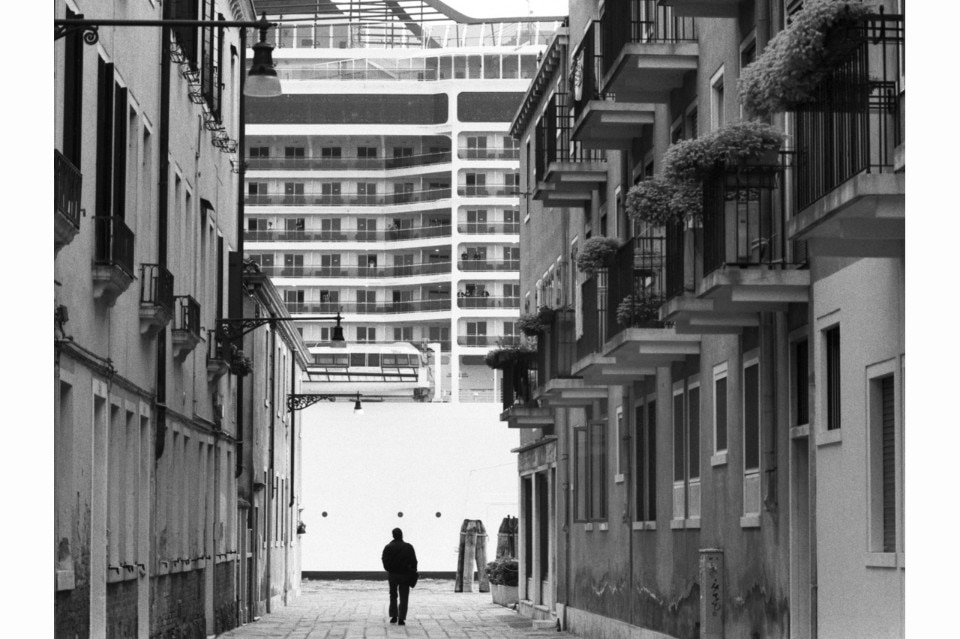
{"type": "Point", "coordinates": [399, 558]}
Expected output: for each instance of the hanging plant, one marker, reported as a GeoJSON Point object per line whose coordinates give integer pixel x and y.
{"type": "Point", "coordinates": [533, 324]}
{"type": "Point", "coordinates": [633, 311]}
{"type": "Point", "coordinates": [502, 358]}
{"type": "Point", "coordinates": [728, 146]}
{"type": "Point", "coordinates": [659, 201]}
{"type": "Point", "coordinates": [798, 58]}
{"type": "Point", "coordinates": [240, 364]}
{"type": "Point", "coordinates": [596, 254]}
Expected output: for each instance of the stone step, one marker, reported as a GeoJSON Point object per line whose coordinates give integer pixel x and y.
{"type": "Point", "coordinates": [544, 624]}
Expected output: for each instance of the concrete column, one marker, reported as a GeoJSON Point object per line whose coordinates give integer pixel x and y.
{"type": "Point", "coordinates": [535, 527]}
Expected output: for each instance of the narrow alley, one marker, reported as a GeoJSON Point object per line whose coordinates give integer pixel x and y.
{"type": "Point", "coordinates": [354, 609]}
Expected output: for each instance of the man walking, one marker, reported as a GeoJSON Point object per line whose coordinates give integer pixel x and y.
{"type": "Point", "coordinates": [400, 562]}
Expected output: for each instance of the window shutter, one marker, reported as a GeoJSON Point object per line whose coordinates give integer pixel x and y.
{"type": "Point", "coordinates": [889, 451]}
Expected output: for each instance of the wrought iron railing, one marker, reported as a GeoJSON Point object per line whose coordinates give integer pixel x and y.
{"type": "Point", "coordinates": [329, 199]}
{"type": "Point", "coordinates": [640, 22]}
{"type": "Point", "coordinates": [488, 265]}
{"type": "Point", "coordinates": [676, 262]}
{"type": "Point", "coordinates": [405, 270]}
{"type": "Point", "coordinates": [187, 317]}
{"type": "Point", "coordinates": [156, 286]}
{"type": "Point", "coordinates": [554, 140]}
{"type": "Point", "coordinates": [594, 320]}
{"type": "Point", "coordinates": [519, 382]}
{"type": "Point", "coordinates": [557, 347]}
{"type": "Point", "coordinates": [347, 163]}
{"type": "Point", "coordinates": [67, 185]}
{"type": "Point", "coordinates": [348, 235]}
{"type": "Point", "coordinates": [635, 284]}
{"type": "Point", "coordinates": [587, 71]}
{"type": "Point", "coordinates": [114, 243]}
{"type": "Point", "coordinates": [854, 123]}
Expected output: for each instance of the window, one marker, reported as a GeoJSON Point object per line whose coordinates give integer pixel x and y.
{"type": "Point", "coordinates": [686, 450]}
{"type": "Point", "coordinates": [618, 443]}
{"type": "Point", "coordinates": [716, 100]}
{"type": "Point", "coordinates": [367, 192]}
{"type": "Point", "coordinates": [366, 152]}
{"type": "Point", "coordinates": [366, 334]}
{"type": "Point", "coordinates": [330, 193]}
{"type": "Point", "coordinates": [294, 152]}
{"type": "Point", "coordinates": [885, 460]}
{"type": "Point", "coordinates": [403, 334]}
{"type": "Point", "coordinates": [831, 341]}
{"type": "Point", "coordinates": [293, 193]}
{"type": "Point", "coordinates": [259, 151]}
{"type": "Point", "coordinates": [580, 473]}
{"type": "Point", "coordinates": [73, 95]}
{"type": "Point", "coordinates": [330, 152]}
{"type": "Point", "coordinates": [294, 224]}
{"type": "Point", "coordinates": [476, 333]}
{"type": "Point", "coordinates": [693, 451]}
{"type": "Point", "coordinates": [719, 414]}
{"type": "Point", "coordinates": [800, 382]}
{"type": "Point", "coordinates": [597, 471]}
{"type": "Point", "coordinates": [646, 460]}
{"type": "Point", "coordinates": [257, 188]}
{"type": "Point", "coordinates": [751, 435]}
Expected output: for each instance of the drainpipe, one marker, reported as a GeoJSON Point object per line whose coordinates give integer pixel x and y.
{"type": "Point", "coordinates": [236, 270]}
{"type": "Point", "coordinates": [162, 205]}
{"type": "Point", "coordinates": [293, 435]}
{"type": "Point", "coordinates": [271, 475]}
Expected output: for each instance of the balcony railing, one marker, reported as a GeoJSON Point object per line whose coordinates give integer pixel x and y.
{"type": "Point", "coordinates": [554, 142]}
{"type": "Point", "coordinates": [406, 270]}
{"type": "Point", "coordinates": [466, 153]}
{"type": "Point", "coordinates": [488, 265]}
{"type": "Point", "coordinates": [675, 260]}
{"type": "Point", "coordinates": [349, 235]}
{"type": "Point", "coordinates": [322, 199]}
{"type": "Point", "coordinates": [640, 22]}
{"type": "Point", "coordinates": [187, 317]}
{"type": "Point", "coordinates": [494, 228]}
{"type": "Point", "coordinates": [156, 286]}
{"type": "Point", "coordinates": [348, 163]}
{"type": "Point", "coordinates": [594, 321]}
{"type": "Point", "coordinates": [744, 219]}
{"type": "Point", "coordinates": [489, 190]}
{"type": "Point", "coordinates": [488, 340]}
{"type": "Point", "coordinates": [488, 302]}
{"type": "Point", "coordinates": [854, 122]}
{"type": "Point", "coordinates": [588, 70]}
{"type": "Point", "coordinates": [519, 382]}
{"type": "Point", "coordinates": [371, 308]}
{"type": "Point", "coordinates": [67, 184]}
{"type": "Point", "coordinates": [114, 243]}
{"type": "Point", "coordinates": [635, 280]}
{"type": "Point", "coordinates": [557, 347]}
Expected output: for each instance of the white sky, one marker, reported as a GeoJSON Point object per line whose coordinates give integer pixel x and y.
{"type": "Point", "coordinates": [509, 8]}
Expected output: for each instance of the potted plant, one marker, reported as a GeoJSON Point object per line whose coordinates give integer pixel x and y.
{"type": "Point", "coordinates": [507, 356]}
{"type": "Point", "coordinates": [798, 58]}
{"type": "Point", "coordinates": [240, 364]}
{"type": "Point", "coordinates": [533, 324]}
{"type": "Point", "coordinates": [726, 148]}
{"type": "Point", "coordinates": [596, 254]}
{"type": "Point", "coordinates": [637, 310]}
{"type": "Point", "coordinates": [504, 579]}
{"type": "Point", "coordinates": [659, 200]}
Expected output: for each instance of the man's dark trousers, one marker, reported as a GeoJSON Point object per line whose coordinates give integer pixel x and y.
{"type": "Point", "coordinates": [399, 584]}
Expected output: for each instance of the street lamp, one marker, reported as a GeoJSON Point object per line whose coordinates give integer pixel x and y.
{"type": "Point", "coordinates": [262, 81]}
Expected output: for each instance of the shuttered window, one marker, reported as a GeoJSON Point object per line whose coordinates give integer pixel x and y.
{"type": "Point", "coordinates": [832, 355]}
{"type": "Point", "coordinates": [693, 433]}
{"type": "Point", "coordinates": [888, 451]}
{"type": "Point", "coordinates": [646, 451]}
{"type": "Point", "coordinates": [801, 381]}
{"type": "Point", "coordinates": [73, 95]}
{"type": "Point", "coordinates": [678, 447]}
{"type": "Point", "coordinates": [104, 137]}
{"type": "Point", "coordinates": [580, 473]}
{"type": "Point", "coordinates": [598, 470]}
{"type": "Point", "coordinates": [751, 417]}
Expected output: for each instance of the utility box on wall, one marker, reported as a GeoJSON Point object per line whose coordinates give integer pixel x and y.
{"type": "Point", "coordinates": [711, 593]}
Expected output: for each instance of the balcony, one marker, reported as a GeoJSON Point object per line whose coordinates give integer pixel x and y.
{"type": "Point", "coordinates": [850, 187]}
{"type": "Point", "coordinates": [599, 120]}
{"type": "Point", "coordinates": [346, 163]}
{"type": "Point", "coordinates": [493, 228]}
{"type": "Point", "coordinates": [406, 270]}
{"type": "Point", "coordinates": [489, 190]}
{"type": "Point", "coordinates": [488, 302]}
{"type": "Point", "coordinates": [645, 45]}
{"type": "Point", "coordinates": [218, 361]}
{"type": "Point", "coordinates": [566, 174]}
{"type": "Point", "coordinates": [471, 153]}
{"type": "Point", "coordinates": [113, 258]}
{"type": "Point", "coordinates": [703, 8]}
{"type": "Point", "coordinates": [186, 326]}
{"type": "Point", "coordinates": [636, 341]}
{"type": "Point", "coordinates": [479, 264]}
{"type": "Point", "coordinates": [336, 199]}
{"type": "Point", "coordinates": [156, 298]}
{"type": "Point", "coordinates": [488, 340]}
{"type": "Point", "coordinates": [371, 308]}
{"type": "Point", "coordinates": [67, 185]}
{"type": "Point", "coordinates": [349, 235]}
{"type": "Point", "coordinates": [520, 410]}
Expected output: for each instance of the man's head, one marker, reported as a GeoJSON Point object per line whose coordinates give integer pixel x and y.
{"type": "Point", "coordinates": [397, 534]}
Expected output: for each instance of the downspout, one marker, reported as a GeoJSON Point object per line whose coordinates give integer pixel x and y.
{"type": "Point", "coordinates": [271, 487]}
{"type": "Point", "coordinates": [162, 205]}
{"type": "Point", "coordinates": [236, 301]}
{"type": "Point", "coordinates": [293, 434]}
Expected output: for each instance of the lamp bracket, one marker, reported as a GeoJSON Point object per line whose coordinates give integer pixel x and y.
{"type": "Point", "coordinates": [299, 402]}
{"type": "Point", "coordinates": [230, 330]}
{"type": "Point", "coordinates": [91, 32]}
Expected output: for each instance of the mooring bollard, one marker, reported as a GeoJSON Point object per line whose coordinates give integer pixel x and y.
{"type": "Point", "coordinates": [473, 548]}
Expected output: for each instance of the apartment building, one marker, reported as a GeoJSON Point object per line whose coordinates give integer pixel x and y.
{"type": "Point", "coordinates": [712, 426]}
{"type": "Point", "coordinates": [147, 398]}
{"type": "Point", "coordinates": [383, 183]}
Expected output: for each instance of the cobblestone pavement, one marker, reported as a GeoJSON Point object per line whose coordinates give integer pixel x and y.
{"type": "Point", "coordinates": [358, 609]}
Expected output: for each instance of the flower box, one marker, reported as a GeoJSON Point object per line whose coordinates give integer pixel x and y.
{"type": "Point", "coordinates": [505, 595]}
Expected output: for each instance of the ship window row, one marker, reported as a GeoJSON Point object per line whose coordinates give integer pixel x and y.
{"type": "Point", "coordinates": [489, 66]}
{"type": "Point", "coordinates": [318, 335]}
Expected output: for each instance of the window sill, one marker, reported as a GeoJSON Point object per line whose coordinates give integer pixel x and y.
{"type": "Point", "coordinates": [880, 559]}
{"type": "Point", "coordinates": [676, 524]}
{"type": "Point", "coordinates": [829, 437]}
{"type": "Point", "coordinates": [65, 580]}
{"type": "Point", "coordinates": [644, 525]}
{"type": "Point", "coordinates": [588, 527]}
{"type": "Point", "coordinates": [604, 526]}
{"type": "Point", "coordinates": [720, 459]}
{"type": "Point", "coordinates": [750, 521]}
{"type": "Point", "coordinates": [619, 478]}
{"type": "Point", "coordinates": [692, 524]}
{"type": "Point", "coordinates": [800, 432]}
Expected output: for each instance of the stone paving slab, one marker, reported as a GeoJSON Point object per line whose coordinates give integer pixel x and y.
{"type": "Point", "coordinates": [358, 610]}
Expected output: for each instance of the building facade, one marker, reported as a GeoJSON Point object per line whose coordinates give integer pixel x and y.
{"type": "Point", "coordinates": [147, 423]}
{"type": "Point", "coordinates": [383, 183]}
{"type": "Point", "coordinates": [712, 428]}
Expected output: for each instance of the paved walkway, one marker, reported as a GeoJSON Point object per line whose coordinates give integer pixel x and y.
{"type": "Point", "coordinates": [358, 609]}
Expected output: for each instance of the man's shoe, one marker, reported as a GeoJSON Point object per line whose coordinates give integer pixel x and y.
{"type": "Point", "coordinates": [393, 620]}
{"type": "Point", "coordinates": [401, 623]}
